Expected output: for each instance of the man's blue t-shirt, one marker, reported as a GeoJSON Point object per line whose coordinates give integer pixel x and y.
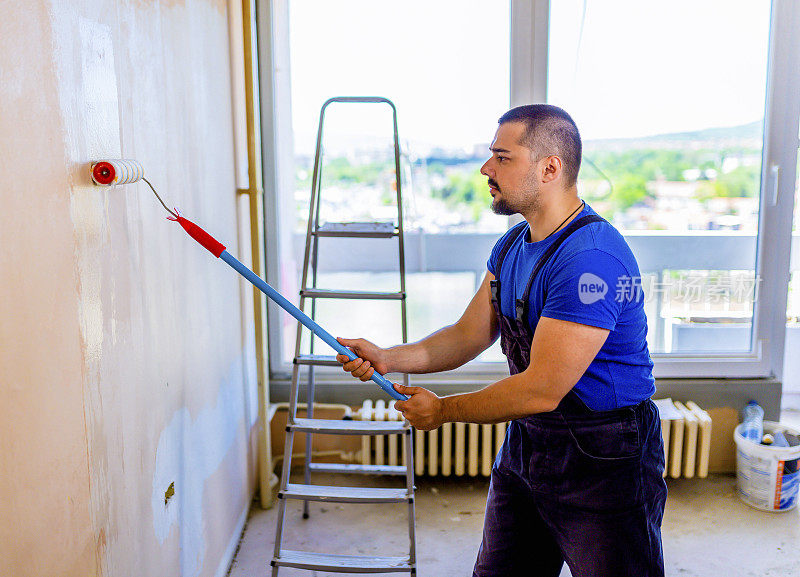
{"type": "Point", "coordinates": [591, 279]}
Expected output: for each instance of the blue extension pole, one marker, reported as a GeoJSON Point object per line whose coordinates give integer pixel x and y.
{"type": "Point", "coordinates": [306, 320]}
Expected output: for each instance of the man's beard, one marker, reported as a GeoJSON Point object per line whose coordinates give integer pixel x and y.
{"type": "Point", "coordinates": [502, 207]}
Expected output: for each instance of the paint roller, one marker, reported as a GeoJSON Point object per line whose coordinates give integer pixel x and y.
{"type": "Point", "coordinates": [126, 171]}
{"type": "Point", "coordinates": [110, 172]}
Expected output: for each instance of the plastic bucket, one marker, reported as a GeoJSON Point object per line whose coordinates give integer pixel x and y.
{"type": "Point", "coordinates": [767, 477]}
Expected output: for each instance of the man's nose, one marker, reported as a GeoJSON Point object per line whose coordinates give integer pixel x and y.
{"type": "Point", "coordinates": [485, 170]}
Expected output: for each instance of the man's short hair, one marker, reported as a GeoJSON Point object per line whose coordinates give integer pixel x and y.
{"type": "Point", "coordinates": [550, 130]}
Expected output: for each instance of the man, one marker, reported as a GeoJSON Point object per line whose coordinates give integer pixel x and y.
{"type": "Point", "coordinates": [579, 476]}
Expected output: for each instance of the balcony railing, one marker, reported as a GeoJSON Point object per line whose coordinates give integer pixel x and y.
{"type": "Point", "coordinates": [656, 251]}
{"type": "Point", "coordinates": [460, 252]}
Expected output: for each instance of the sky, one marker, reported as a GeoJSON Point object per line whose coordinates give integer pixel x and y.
{"type": "Point", "coordinates": [647, 67]}
{"type": "Point", "coordinates": [622, 68]}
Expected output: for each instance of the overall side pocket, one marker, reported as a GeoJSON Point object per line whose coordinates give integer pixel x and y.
{"type": "Point", "coordinates": [608, 439]}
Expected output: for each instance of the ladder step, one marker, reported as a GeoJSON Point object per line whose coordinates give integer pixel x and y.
{"type": "Point", "coordinates": [320, 360]}
{"type": "Point", "coordinates": [341, 563]}
{"type": "Point", "coordinates": [348, 427]}
{"type": "Point", "coordinates": [337, 294]}
{"type": "Point", "coordinates": [330, 494]}
{"type": "Point", "coordinates": [358, 229]}
{"type": "Point", "coordinates": [357, 469]}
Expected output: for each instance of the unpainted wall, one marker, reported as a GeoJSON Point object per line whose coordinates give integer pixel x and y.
{"type": "Point", "coordinates": [127, 437]}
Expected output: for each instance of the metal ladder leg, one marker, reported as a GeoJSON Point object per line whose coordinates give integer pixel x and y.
{"type": "Point", "coordinates": [286, 468]}
{"type": "Point", "coordinates": [310, 415]}
{"type": "Point", "coordinates": [412, 519]}
{"type": "Point", "coordinates": [311, 376]}
{"type": "Point", "coordinates": [401, 251]}
{"type": "Point", "coordinates": [295, 386]}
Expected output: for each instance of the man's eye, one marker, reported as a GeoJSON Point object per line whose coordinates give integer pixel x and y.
{"type": "Point", "coordinates": [501, 158]}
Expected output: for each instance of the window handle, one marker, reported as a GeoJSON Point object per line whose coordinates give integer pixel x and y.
{"type": "Point", "coordinates": [774, 174]}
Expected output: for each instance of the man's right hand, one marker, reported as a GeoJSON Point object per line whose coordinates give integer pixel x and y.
{"type": "Point", "coordinates": [371, 358]}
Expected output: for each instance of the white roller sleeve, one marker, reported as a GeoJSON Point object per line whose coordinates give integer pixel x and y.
{"type": "Point", "coordinates": [116, 171]}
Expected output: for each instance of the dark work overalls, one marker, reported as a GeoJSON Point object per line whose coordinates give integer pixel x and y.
{"type": "Point", "coordinates": [573, 484]}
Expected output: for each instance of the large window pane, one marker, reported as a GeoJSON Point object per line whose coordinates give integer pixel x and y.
{"type": "Point", "coordinates": [445, 65]}
{"type": "Point", "coordinates": [670, 97]}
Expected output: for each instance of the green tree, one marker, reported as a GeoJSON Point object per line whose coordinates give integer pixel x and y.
{"type": "Point", "coordinates": [741, 182]}
{"type": "Point", "coordinates": [339, 170]}
{"type": "Point", "coordinates": [461, 188]}
{"type": "Point", "coordinates": [629, 190]}
{"type": "Point", "coordinates": [465, 190]}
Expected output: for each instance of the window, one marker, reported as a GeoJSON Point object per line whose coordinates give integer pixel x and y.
{"type": "Point", "coordinates": [672, 158]}
{"type": "Point", "coordinates": [689, 119]}
{"type": "Point", "coordinates": [445, 65]}
{"type": "Point", "coordinates": [671, 110]}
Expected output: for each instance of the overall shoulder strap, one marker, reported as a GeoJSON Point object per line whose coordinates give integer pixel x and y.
{"type": "Point", "coordinates": [513, 236]}
{"type": "Point", "coordinates": [522, 303]}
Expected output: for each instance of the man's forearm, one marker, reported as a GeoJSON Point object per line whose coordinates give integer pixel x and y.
{"type": "Point", "coordinates": [444, 350]}
{"type": "Point", "coordinates": [511, 398]}
{"type": "Point", "coordinates": [454, 345]}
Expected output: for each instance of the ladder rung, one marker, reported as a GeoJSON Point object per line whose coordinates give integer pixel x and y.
{"type": "Point", "coordinates": [357, 469]}
{"type": "Point", "coordinates": [358, 229]}
{"type": "Point", "coordinates": [331, 494]}
{"type": "Point", "coordinates": [341, 563]}
{"type": "Point", "coordinates": [336, 294]}
{"type": "Point", "coordinates": [320, 360]}
{"type": "Point", "coordinates": [342, 427]}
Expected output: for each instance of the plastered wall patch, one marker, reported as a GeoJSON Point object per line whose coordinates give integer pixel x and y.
{"type": "Point", "coordinates": [99, 83]}
{"type": "Point", "coordinates": [189, 451]}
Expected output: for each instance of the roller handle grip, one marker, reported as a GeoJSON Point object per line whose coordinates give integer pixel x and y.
{"type": "Point", "coordinates": [208, 242]}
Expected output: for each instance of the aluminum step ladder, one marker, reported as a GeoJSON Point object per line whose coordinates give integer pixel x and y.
{"type": "Point", "coordinates": [307, 492]}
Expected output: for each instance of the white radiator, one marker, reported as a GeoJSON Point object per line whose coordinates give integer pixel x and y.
{"type": "Point", "coordinates": [686, 430]}
{"type": "Point", "coordinates": [469, 449]}
{"type": "Point", "coordinates": [453, 449]}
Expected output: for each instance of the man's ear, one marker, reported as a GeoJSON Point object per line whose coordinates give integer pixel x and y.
{"type": "Point", "coordinates": [551, 169]}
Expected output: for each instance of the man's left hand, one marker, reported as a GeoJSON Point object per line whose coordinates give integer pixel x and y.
{"type": "Point", "coordinates": [423, 409]}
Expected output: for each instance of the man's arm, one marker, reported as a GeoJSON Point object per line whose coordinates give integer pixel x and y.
{"type": "Point", "coordinates": [560, 353]}
{"type": "Point", "coordinates": [446, 349]}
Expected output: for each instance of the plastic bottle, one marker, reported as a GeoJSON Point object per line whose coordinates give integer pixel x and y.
{"type": "Point", "coordinates": [753, 423]}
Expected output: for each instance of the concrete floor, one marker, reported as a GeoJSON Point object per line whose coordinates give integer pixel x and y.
{"type": "Point", "coordinates": [707, 530]}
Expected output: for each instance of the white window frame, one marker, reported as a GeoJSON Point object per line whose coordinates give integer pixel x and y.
{"type": "Point", "coordinates": [529, 57]}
